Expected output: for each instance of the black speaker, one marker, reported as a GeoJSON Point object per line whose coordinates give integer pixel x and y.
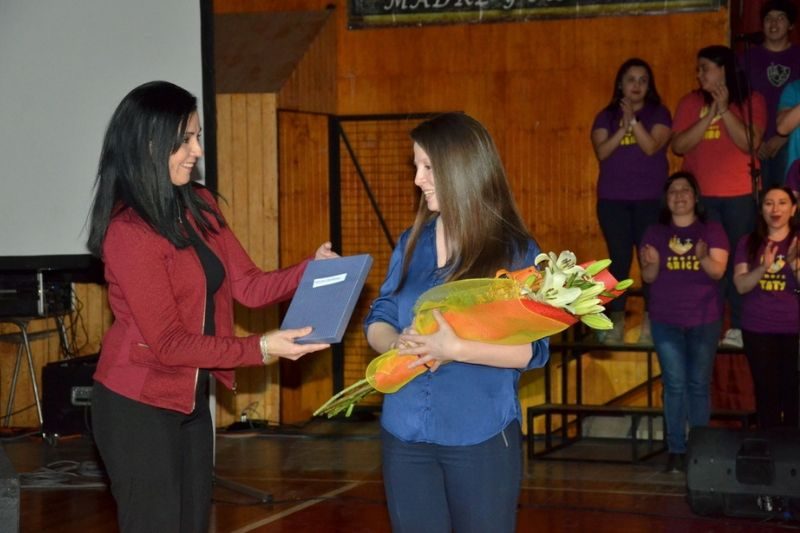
{"type": "Point", "coordinates": [744, 473]}
{"type": "Point", "coordinates": [67, 396]}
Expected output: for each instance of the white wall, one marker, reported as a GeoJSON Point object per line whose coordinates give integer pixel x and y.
{"type": "Point", "coordinates": [64, 66]}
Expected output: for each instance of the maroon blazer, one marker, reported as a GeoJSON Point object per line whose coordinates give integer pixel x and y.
{"type": "Point", "coordinates": [154, 348]}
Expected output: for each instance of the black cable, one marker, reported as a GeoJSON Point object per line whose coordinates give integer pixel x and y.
{"type": "Point", "coordinates": [76, 323]}
{"type": "Point", "coordinates": [18, 411]}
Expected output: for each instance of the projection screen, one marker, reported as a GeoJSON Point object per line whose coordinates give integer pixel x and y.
{"type": "Point", "coordinates": [64, 66]}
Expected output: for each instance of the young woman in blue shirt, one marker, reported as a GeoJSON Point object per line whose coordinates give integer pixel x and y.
{"type": "Point", "coordinates": [452, 452]}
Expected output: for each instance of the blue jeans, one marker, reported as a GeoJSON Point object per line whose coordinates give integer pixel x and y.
{"type": "Point", "coordinates": [737, 215]}
{"type": "Point", "coordinates": [438, 489]}
{"type": "Point", "coordinates": [686, 356]}
{"type": "Point", "coordinates": [623, 223]}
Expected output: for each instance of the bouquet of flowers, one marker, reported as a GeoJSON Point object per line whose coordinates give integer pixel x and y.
{"type": "Point", "coordinates": [512, 308]}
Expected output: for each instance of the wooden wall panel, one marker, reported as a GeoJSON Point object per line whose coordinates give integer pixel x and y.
{"type": "Point", "coordinates": [304, 225]}
{"type": "Point", "coordinates": [94, 317]}
{"type": "Point", "coordinates": [312, 85]}
{"type": "Point", "coordinates": [248, 183]}
{"type": "Point", "coordinates": [537, 86]}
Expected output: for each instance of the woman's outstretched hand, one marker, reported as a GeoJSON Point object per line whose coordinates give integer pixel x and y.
{"type": "Point", "coordinates": [281, 343]}
{"type": "Point", "coordinates": [325, 251]}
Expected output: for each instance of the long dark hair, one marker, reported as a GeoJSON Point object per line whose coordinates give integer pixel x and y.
{"type": "Point", "coordinates": [758, 237]}
{"type": "Point", "coordinates": [735, 78]}
{"type": "Point", "coordinates": [146, 128]}
{"type": "Point", "coordinates": [651, 97]}
{"type": "Point", "coordinates": [665, 215]}
{"type": "Point", "coordinates": [484, 229]}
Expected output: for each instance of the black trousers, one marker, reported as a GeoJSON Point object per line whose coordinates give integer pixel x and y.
{"type": "Point", "coordinates": [623, 223]}
{"type": "Point", "coordinates": [773, 364]}
{"type": "Point", "coordinates": [160, 462]}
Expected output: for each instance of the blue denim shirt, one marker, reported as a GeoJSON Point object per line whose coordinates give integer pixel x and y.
{"type": "Point", "coordinates": [460, 404]}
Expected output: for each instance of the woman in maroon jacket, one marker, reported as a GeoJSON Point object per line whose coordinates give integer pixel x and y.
{"type": "Point", "coordinates": [173, 269]}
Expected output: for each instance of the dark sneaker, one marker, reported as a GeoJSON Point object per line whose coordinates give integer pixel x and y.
{"type": "Point", "coordinates": [676, 463]}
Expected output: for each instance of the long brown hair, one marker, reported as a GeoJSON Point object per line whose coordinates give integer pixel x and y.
{"type": "Point", "coordinates": [484, 229]}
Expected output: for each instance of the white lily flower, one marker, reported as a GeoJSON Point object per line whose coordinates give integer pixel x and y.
{"type": "Point", "coordinates": [551, 257]}
{"type": "Point", "coordinates": [554, 292]}
{"type": "Point", "coordinates": [569, 286]}
{"type": "Point", "coordinates": [568, 263]}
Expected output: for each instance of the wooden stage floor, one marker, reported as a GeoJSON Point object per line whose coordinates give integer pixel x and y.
{"type": "Point", "coordinates": [325, 477]}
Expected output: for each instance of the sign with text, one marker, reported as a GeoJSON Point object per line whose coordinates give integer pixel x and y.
{"type": "Point", "coordinates": [372, 13]}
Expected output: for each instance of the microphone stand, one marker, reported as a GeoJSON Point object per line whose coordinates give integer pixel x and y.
{"type": "Point", "coordinates": [755, 173]}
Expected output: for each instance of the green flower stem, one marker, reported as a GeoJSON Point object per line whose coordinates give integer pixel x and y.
{"type": "Point", "coordinates": [346, 399]}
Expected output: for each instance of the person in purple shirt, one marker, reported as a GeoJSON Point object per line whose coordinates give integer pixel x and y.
{"type": "Point", "coordinates": [770, 67]}
{"type": "Point", "coordinates": [793, 181]}
{"type": "Point", "coordinates": [451, 438]}
{"type": "Point", "coordinates": [630, 137]}
{"type": "Point", "coordinates": [683, 257]}
{"type": "Point", "coordinates": [766, 269]}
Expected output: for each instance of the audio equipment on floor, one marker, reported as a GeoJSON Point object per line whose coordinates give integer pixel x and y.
{"type": "Point", "coordinates": [744, 473]}
{"type": "Point", "coordinates": [67, 396]}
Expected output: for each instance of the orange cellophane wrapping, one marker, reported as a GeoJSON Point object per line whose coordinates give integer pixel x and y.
{"type": "Point", "coordinates": [485, 310]}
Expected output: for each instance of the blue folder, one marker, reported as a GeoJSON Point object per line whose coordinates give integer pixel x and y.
{"type": "Point", "coordinates": [326, 297]}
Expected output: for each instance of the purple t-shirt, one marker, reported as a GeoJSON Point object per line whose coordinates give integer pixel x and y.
{"type": "Point", "coordinates": [772, 306]}
{"type": "Point", "coordinates": [683, 294]}
{"type": "Point", "coordinates": [769, 72]}
{"type": "Point", "coordinates": [628, 173]}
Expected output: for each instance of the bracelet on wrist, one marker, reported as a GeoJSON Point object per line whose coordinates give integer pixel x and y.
{"type": "Point", "coordinates": [264, 344]}
{"type": "Point", "coordinates": [720, 113]}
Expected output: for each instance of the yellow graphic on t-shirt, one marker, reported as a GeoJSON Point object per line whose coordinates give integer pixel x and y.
{"type": "Point", "coordinates": [683, 262]}
{"type": "Point", "coordinates": [629, 138]}
{"type": "Point", "coordinates": [713, 131]}
{"type": "Point", "coordinates": [777, 265]}
{"type": "Point", "coordinates": [678, 246]}
{"type": "Point", "coordinates": [772, 280]}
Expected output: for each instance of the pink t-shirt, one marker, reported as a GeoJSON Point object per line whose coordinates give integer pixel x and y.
{"type": "Point", "coordinates": [721, 169]}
